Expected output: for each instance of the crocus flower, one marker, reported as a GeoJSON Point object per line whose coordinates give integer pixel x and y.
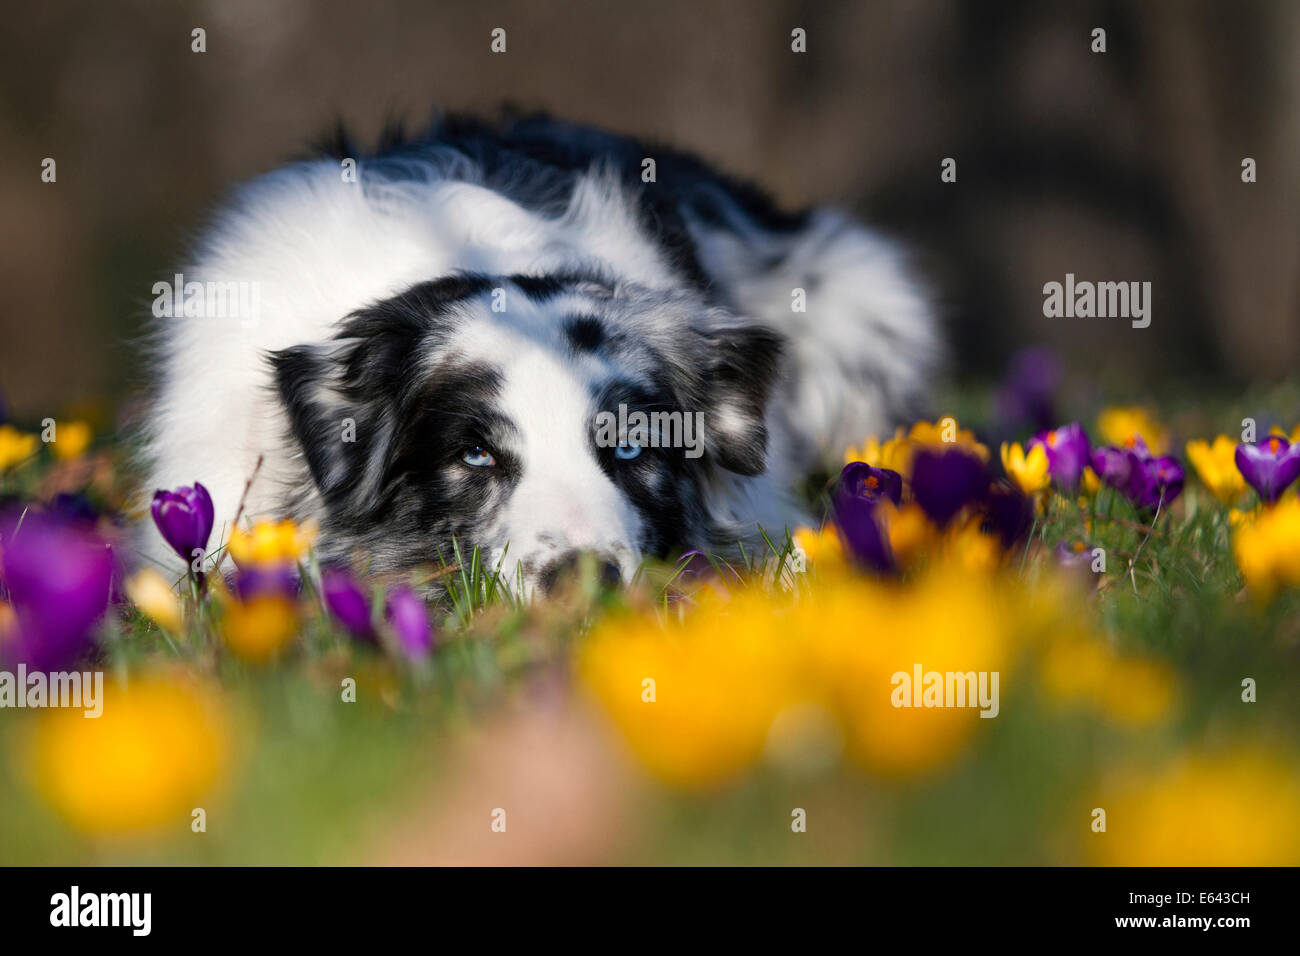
{"type": "Point", "coordinates": [154, 596]}
{"type": "Point", "coordinates": [270, 543]}
{"type": "Point", "coordinates": [1029, 471]}
{"type": "Point", "coordinates": [1076, 559]}
{"type": "Point", "coordinates": [1121, 425]}
{"type": "Point", "coordinates": [1216, 465]}
{"type": "Point", "coordinates": [1112, 466]}
{"type": "Point", "coordinates": [71, 439]}
{"type": "Point", "coordinates": [184, 518]}
{"type": "Point", "coordinates": [258, 628]}
{"type": "Point", "coordinates": [410, 621]}
{"type": "Point", "coordinates": [1028, 391]}
{"type": "Point", "coordinates": [1153, 481]}
{"type": "Point", "coordinates": [1068, 452]}
{"type": "Point", "coordinates": [15, 446]}
{"type": "Point", "coordinates": [347, 602]}
{"type": "Point", "coordinates": [944, 482]}
{"type": "Point", "coordinates": [265, 580]}
{"type": "Point", "coordinates": [1009, 514]}
{"type": "Point", "coordinates": [864, 481]}
{"type": "Point", "coordinates": [59, 576]}
{"type": "Point", "coordinates": [820, 547]}
{"type": "Point", "coordinates": [1265, 548]}
{"type": "Point", "coordinates": [860, 528]}
{"type": "Point", "coordinates": [1269, 466]}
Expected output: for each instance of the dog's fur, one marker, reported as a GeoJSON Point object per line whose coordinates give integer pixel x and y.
{"type": "Point", "coordinates": [496, 285]}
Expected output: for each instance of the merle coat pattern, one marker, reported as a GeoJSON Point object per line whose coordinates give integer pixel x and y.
{"type": "Point", "coordinates": [436, 335]}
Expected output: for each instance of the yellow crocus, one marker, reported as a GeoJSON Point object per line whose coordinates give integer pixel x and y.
{"type": "Point", "coordinates": [1119, 425]}
{"type": "Point", "coordinates": [257, 630]}
{"type": "Point", "coordinates": [822, 548]}
{"type": "Point", "coordinates": [152, 594]}
{"type": "Point", "coordinates": [1267, 547]}
{"type": "Point", "coordinates": [15, 446]}
{"type": "Point", "coordinates": [270, 542]}
{"type": "Point", "coordinates": [154, 753]}
{"type": "Point", "coordinates": [1236, 808]}
{"type": "Point", "coordinates": [1217, 468]}
{"type": "Point", "coordinates": [71, 440]}
{"type": "Point", "coordinates": [1028, 471]}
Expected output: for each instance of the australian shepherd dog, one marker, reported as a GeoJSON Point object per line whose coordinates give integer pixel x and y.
{"type": "Point", "coordinates": [532, 338]}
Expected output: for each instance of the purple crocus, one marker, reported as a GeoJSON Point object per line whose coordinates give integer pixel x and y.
{"type": "Point", "coordinates": [1028, 392]}
{"type": "Point", "coordinates": [1077, 559]}
{"type": "Point", "coordinates": [862, 534]}
{"type": "Point", "coordinates": [1153, 482]}
{"type": "Point", "coordinates": [184, 518]}
{"type": "Point", "coordinates": [347, 602]}
{"type": "Point", "coordinates": [944, 482]}
{"type": "Point", "coordinates": [1270, 466]}
{"type": "Point", "coordinates": [265, 581]}
{"type": "Point", "coordinates": [59, 575]}
{"type": "Point", "coordinates": [1068, 453]}
{"type": "Point", "coordinates": [1112, 466]}
{"type": "Point", "coordinates": [864, 481]}
{"type": "Point", "coordinates": [1009, 514]}
{"type": "Point", "coordinates": [410, 622]}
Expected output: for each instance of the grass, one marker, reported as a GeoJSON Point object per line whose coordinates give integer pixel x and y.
{"type": "Point", "coordinates": [498, 717]}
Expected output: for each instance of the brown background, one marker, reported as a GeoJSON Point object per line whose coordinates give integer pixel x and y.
{"type": "Point", "coordinates": [1122, 166]}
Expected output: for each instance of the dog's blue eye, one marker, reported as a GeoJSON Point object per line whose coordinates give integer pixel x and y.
{"type": "Point", "coordinates": [478, 457]}
{"type": "Point", "coordinates": [628, 451]}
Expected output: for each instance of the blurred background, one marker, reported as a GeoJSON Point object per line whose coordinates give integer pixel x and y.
{"type": "Point", "coordinates": [1118, 166]}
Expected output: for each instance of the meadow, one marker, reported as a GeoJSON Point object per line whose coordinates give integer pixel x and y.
{"type": "Point", "coordinates": [1130, 573]}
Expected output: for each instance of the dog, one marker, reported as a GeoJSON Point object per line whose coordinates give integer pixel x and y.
{"type": "Point", "coordinates": [442, 326]}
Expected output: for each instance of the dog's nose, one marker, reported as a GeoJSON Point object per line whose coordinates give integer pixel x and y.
{"type": "Point", "coordinates": [571, 563]}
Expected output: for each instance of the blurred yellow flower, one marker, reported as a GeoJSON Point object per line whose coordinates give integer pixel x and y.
{"type": "Point", "coordinates": [697, 698]}
{"type": "Point", "coordinates": [893, 453]}
{"type": "Point", "coordinates": [1083, 668]}
{"type": "Point", "coordinates": [15, 446]}
{"type": "Point", "coordinates": [1235, 809]}
{"type": "Point", "coordinates": [909, 531]}
{"type": "Point", "coordinates": [694, 698]}
{"type": "Point", "coordinates": [946, 432]}
{"type": "Point", "coordinates": [860, 633]}
{"type": "Point", "coordinates": [258, 629]}
{"type": "Point", "coordinates": [270, 542]}
{"type": "Point", "coordinates": [1029, 472]}
{"type": "Point", "coordinates": [71, 440]}
{"type": "Point", "coordinates": [154, 754]}
{"type": "Point", "coordinates": [1118, 425]}
{"type": "Point", "coordinates": [154, 595]}
{"type": "Point", "coordinates": [869, 451]}
{"type": "Point", "coordinates": [822, 548]}
{"type": "Point", "coordinates": [1217, 467]}
{"type": "Point", "coordinates": [1091, 482]}
{"type": "Point", "coordinates": [1267, 547]}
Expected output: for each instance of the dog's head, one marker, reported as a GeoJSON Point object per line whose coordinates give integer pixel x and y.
{"type": "Point", "coordinates": [544, 415]}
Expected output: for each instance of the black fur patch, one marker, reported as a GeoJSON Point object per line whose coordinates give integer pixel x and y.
{"type": "Point", "coordinates": [586, 333]}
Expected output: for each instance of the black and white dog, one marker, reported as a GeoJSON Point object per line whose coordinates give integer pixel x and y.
{"type": "Point", "coordinates": [454, 338]}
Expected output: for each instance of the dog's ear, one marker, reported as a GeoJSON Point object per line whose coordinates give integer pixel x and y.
{"type": "Point", "coordinates": [342, 430]}
{"type": "Point", "coordinates": [345, 398]}
{"type": "Point", "coordinates": [742, 369]}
